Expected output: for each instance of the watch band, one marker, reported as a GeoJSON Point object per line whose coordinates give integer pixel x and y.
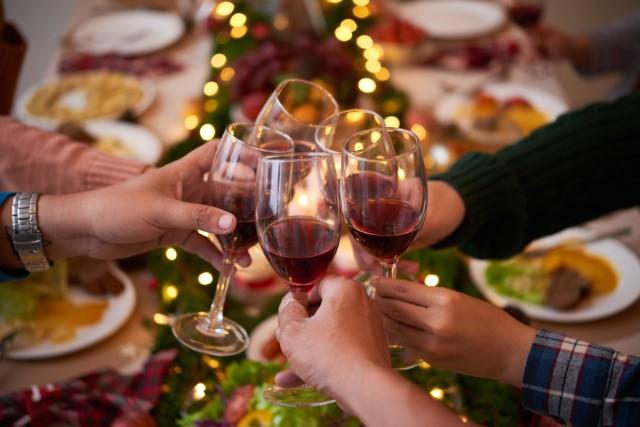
{"type": "Point", "coordinates": [26, 236]}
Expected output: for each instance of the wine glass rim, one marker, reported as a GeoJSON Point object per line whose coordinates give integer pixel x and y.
{"type": "Point", "coordinates": [296, 157]}
{"type": "Point", "coordinates": [414, 148]}
{"type": "Point", "coordinates": [326, 121]}
{"type": "Point", "coordinates": [286, 137]}
{"type": "Point", "coordinates": [321, 124]}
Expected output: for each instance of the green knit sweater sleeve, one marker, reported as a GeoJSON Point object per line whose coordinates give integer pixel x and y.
{"type": "Point", "coordinates": [584, 165]}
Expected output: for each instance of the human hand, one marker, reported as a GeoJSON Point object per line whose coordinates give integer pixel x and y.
{"type": "Point", "coordinates": [454, 331]}
{"type": "Point", "coordinates": [347, 326]}
{"type": "Point", "coordinates": [161, 207]}
{"type": "Point", "coordinates": [553, 43]}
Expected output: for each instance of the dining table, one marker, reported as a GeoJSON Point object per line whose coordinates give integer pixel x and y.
{"type": "Point", "coordinates": [127, 348]}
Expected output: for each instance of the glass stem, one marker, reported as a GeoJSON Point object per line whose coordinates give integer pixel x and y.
{"type": "Point", "coordinates": [215, 320]}
{"type": "Point", "coordinates": [390, 269]}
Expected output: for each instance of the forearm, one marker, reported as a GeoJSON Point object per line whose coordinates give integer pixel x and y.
{"type": "Point", "coordinates": [581, 383]}
{"type": "Point", "coordinates": [35, 160]}
{"type": "Point", "coordinates": [381, 397]}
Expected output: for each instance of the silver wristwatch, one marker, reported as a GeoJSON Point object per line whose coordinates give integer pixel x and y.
{"type": "Point", "coordinates": [25, 234]}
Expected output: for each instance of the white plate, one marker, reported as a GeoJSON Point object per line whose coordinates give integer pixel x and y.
{"type": "Point", "coordinates": [130, 32]}
{"type": "Point", "coordinates": [118, 310]}
{"type": "Point", "coordinates": [21, 112]}
{"type": "Point", "coordinates": [624, 262]}
{"type": "Point", "coordinates": [260, 335]}
{"type": "Point", "coordinates": [454, 19]}
{"type": "Point", "coordinates": [146, 146]}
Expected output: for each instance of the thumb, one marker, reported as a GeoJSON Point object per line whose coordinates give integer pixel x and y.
{"type": "Point", "coordinates": [290, 313]}
{"type": "Point", "coordinates": [175, 214]}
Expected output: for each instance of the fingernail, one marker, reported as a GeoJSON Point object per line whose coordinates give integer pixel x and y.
{"type": "Point", "coordinates": [225, 221]}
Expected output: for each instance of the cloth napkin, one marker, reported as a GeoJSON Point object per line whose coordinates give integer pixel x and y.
{"type": "Point", "coordinates": [95, 399]}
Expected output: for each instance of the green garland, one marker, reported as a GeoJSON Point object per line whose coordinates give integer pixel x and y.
{"type": "Point", "coordinates": [483, 401]}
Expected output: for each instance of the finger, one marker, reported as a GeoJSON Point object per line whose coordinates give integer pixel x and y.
{"type": "Point", "coordinates": [403, 290]}
{"type": "Point", "coordinates": [288, 379]}
{"type": "Point", "coordinates": [175, 214]}
{"type": "Point", "coordinates": [290, 313]}
{"type": "Point", "coordinates": [406, 334]}
{"type": "Point", "coordinates": [201, 246]}
{"type": "Point", "coordinates": [404, 312]}
{"type": "Point", "coordinates": [202, 156]}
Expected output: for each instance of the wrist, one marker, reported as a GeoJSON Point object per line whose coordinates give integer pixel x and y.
{"type": "Point", "coordinates": [63, 225]}
{"type": "Point", "coordinates": [519, 343]}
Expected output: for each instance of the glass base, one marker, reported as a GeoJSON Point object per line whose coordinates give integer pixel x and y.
{"type": "Point", "coordinates": [401, 358]}
{"type": "Point", "coordinates": [296, 397]}
{"type": "Point", "coordinates": [191, 330]}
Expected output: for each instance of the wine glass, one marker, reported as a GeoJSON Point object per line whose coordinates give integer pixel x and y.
{"type": "Point", "coordinates": [384, 199]}
{"type": "Point", "coordinates": [301, 109]}
{"type": "Point", "coordinates": [527, 15]}
{"type": "Point", "coordinates": [232, 187]}
{"type": "Point", "coordinates": [298, 223]}
{"type": "Point", "coordinates": [336, 130]}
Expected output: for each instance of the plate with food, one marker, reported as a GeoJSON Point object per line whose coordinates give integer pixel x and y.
{"type": "Point", "coordinates": [128, 32]}
{"type": "Point", "coordinates": [566, 277]}
{"type": "Point", "coordinates": [82, 97]}
{"type": "Point", "coordinates": [454, 19]}
{"type": "Point", "coordinates": [500, 113]}
{"type": "Point", "coordinates": [64, 309]}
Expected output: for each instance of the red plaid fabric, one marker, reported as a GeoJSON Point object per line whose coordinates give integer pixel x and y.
{"type": "Point", "coordinates": [92, 400]}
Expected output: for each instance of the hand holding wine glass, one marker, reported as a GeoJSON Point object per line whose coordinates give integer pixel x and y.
{"type": "Point", "coordinates": [231, 185]}
{"type": "Point", "coordinates": [298, 223]}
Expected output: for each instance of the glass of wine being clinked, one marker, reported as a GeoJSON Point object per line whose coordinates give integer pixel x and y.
{"type": "Point", "coordinates": [384, 199]}
{"type": "Point", "coordinates": [231, 186]}
{"type": "Point", "coordinates": [298, 223]}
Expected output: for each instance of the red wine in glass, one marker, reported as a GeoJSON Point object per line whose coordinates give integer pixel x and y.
{"type": "Point", "coordinates": [384, 227]}
{"type": "Point", "coordinates": [526, 14]}
{"type": "Point", "coordinates": [300, 249]}
{"type": "Point", "coordinates": [242, 205]}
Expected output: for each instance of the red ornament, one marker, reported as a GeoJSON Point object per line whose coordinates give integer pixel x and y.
{"type": "Point", "coordinates": [252, 104]}
{"type": "Point", "coordinates": [259, 30]}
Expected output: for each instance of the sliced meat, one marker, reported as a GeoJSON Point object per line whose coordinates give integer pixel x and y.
{"type": "Point", "coordinates": [567, 289]}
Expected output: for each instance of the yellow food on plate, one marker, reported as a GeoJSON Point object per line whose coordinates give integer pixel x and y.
{"type": "Point", "coordinates": [85, 96]}
{"type": "Point", "coordinates": [601, 274]}
{"type": "Point", "coordinates": [57, 320]}
{"type": "Point", "coordinates": [258, 418]}
{"type": "Point", "coordinates": [527, 119]}
{"type": "Point", "coordinates": [115, 147]}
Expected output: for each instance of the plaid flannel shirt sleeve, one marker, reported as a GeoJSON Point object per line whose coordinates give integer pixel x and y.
{"type": "Point", "coordinates": [581, 384]}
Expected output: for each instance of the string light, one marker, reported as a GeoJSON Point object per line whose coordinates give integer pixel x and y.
{"type": "Point", "coordinates": [211, 362]}
{"type": "Point", "coordinates": [392, 122]}
{"type": "Point", "coordinates": [224, 8]}
{"type": "Point", "coordinates": [349, 24]}
{"type": "Point", "coordinates": [364, 41]}
{"type": "Point", "coordinates": [210, 88]}
{"type": "Point", "coordinates": [343, 34]}
{"type": "Point", "coordinates": [373, 66]}
{"type": "Point", "coordinates": [334, 1]}
{"type": "Point", "coordinates": [367, 85]}
{"type": "Point", "coordinates": [169, 292]}
{"type": "Point", "coordinates": [238, 20]}
{"type": "Point", "coordinates": [401, 174]}
{"type": "Point", "coordinates": [227, 74]}
{"type": "Point", "coordinates": [161, 319]}
{"type": "Point", "coordinates": [207, 132]}
{"type": "Point", "coordinates": [432, 280]}
{"type": "Point", "coordinates": [199, 391]}
{"type": "Point", "coordinates": [171, 253]}
{"type": "Point", "coordinates": [361, 12]}
{"type": "Point", "coordinates": [420, 131]}
{"type": "Point", "coordinates": [383, 75]}
{"type": "Point", "coordinates": [239, 32]}
{"type": "Point", "coordinates": [190, 122]}
{"type": "Point", "coordinates": [437, 393]}
{"type": "Point", "coordinates": [205, 278]}
{"type": "Point", "coordinates": [361, 2]}
{"type": "Point", "coordinates": [372, 54]}
{"type": "Point", "coordinates": [464, 419]}
{"type": "Point", "coordinates": [218, 60]}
